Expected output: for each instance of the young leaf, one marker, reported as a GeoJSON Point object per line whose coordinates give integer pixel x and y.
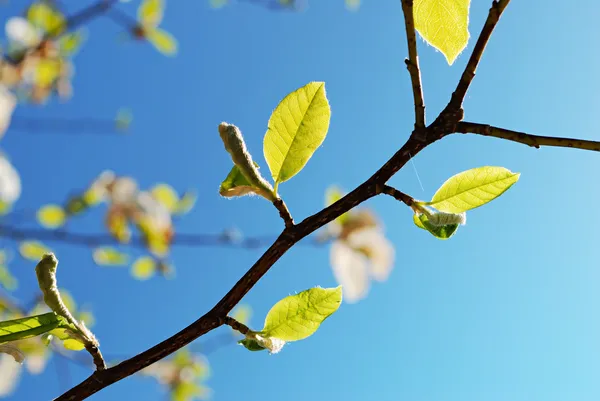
{"type": "Point", "coordinates": [251, 344]}
{"type": "Point", "coordinates": [33, 250]}
{"type": "Point", "coordinates": [236, 184]}
{"type": "Point", "coordinates": [297, 127]}
{"type": "Point", "coordinates": [150, 12]}
{"type": "Point", "coordinates": [472, 188]}
{"type": "Point", "coordinates": [443, 232]}
{"type": "Point", "coordinates": [162, 40]}
{"type": "Point", "coordinates": [107, 256]}
{"type": "Point", "coordinates": [51, 216]}
{"type": "Point", "coordinates": [31, 326]}
{"type": "Point", "coordinates": [444, 24]}
{"type": "Point", "coordinates": [143, 268]}
{"type": "Point", "coordinates": [166, 196]}
{"type": "Point", "coordinates": [298, 316]}
{"type": "Point", "coordinates": [186, 203]}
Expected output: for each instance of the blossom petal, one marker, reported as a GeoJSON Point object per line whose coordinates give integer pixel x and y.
{"type": "Point", "coordinates": [379, 250]}
{"type": "Point", "coordinates": [350, 270]}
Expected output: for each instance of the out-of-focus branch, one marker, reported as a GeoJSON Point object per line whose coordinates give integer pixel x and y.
{"type": "Point", "coordinates": [180, 239]}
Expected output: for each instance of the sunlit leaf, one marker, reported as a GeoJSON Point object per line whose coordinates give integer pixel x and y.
{"type": "Point", "coordinates": [235, 184]}
{"type": "Point", "coordinates": [150, 12]}
{"type": "Point", "coordinates": [472, 188]}
{"type": "Point", "coordinates": [31, 326]}
{"type": "Point", "coordinates": [297, 127]}
{"type": "Point", "coordinates": [444, 24]}
{"type": "Point", "coordinates": [44, 17]}
{"type": "Point", "coordinates": [73, 344]}
{"type": "Point", "coordinates": [242, 314]}
{"type": "Point", "coordinates": [189, 391]}
{"type": "Point", "coordinates": [186, 203]}
{"type": "Point", "coordinates": [166, 196]}
{"type": "Point", "coordinates": [443, 232]}
{"type": "Point", "coordinates": [251, 344]}
{"type": "Point", "coordinates": [143, 268]}
{"type": "Point", "coordinates": [162, 40]}
{"type": "Point", "coordinates": [33, 250]}
{"type": "Point", "coordinates": [71, 42]}
{"type": "Point", "coordinates": [51, 216]}
{"type": "Point", "coordinates": [298, 316]}
{"type": "Point", "coordinates": [7, 280]}
{"type": "Point", "coordinates": [108, 256]}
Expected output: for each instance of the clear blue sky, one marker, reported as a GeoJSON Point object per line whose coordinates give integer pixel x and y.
{"type": "Point", "coordinates": [505, 310]}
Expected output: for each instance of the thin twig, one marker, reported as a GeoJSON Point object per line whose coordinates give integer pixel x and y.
{"type": "Point", "coordinates": [535, 141]}
{"type": "Point", "coordinates": [412, 64]}
{"type": "Point", "coordinates": [284, 212]}
{"type": "Point", "coordinates": [234, 324]}
{"type": "Point", "coordinates": [468, 74]}
{"type": "Point", "coordinates": [398, 195]}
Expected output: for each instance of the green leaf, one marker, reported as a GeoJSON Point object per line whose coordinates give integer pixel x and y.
{"type": "Point", "coordinates": [31, 326]}
{"type": "Point", "coordinates": [143, 268]}
{"type": "Point", "coordinates": [298, 316]}
{"type": "Point", "coordinates": [51, 216]}
{"type": "Point", "coordinates": [70, 42]}
{"type": "Point", "coordinates": [73, 344]}
{"type": "Point", "coordinates": [443, 232]}
{"type": "Point", "coordinates": [444, 24]}
{"type": "Point", "coordinates": [236, 184]}
{"type": "Point", "coordinates": [166, 196]}
{"type": "Point", "coordinates": [472, 188]}
{"type": "Point", "coordinates": [162, 40]}
{"type": "Point", "coordinates": [150, 12]}
{"type": "Point", "coordinates": [7, 280]}
{"type": "Point", "coordinates": [186, 203]}
{"type": "Point", "coordinates": [33, 250]}
{"type": "Point", "coordinates": [332, 195]}
{"type": "Point", "coordinates": [108, 256]}
{"type": "Point", "coordinates": [297, 127]}
{"type": "Point", "coordinates": [251, 344]}
{"type": "Point", "coordinates": [67, 335]}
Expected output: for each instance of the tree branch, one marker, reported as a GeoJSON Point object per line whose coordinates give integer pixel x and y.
{"type": "Point", "coordinates": [216, 316]}
{"type": "Point", "coordinates": [528, 139]}
{"type": "Point", "coordinates": [398, 195]}
{"type": "Point", "coordinates": [468, 74]}
{"type": "Point", "coordinates": [412, 64]}
{"type": "Point", "coordinates": [284, 212]}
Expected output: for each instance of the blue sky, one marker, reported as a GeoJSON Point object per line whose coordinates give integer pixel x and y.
{"type": "Point", "coordinates": [504, 310]}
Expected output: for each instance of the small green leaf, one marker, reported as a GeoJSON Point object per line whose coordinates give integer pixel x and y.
{"type": "Point", "coordinates": [31, 326]}
{"type": "Point", "coordinates": [73, 344]}
{"type": "Point", "coordinates": [297, 127]}
{"type": "Point", "coordinates": [51, 216]}
{"type": "Point", "coordinates": [236, 184]}
{"type": "Point", "coordinates": [251, 344]}
{"type": "Point", "coordinates": [143, 268]}
{"type": "Point", "coordinates": [186, 203]}
{"type": "Point", "coordinates": [150, 12]}
{"type": "Point", "coordinates": [33, 250]}
{"type": "Point", "coordinates": [70, 42]}
{"type": "Point", "coordinates": [332, 195]}
{"type": "Point", "coordinates": [443, 232]}
{"type": "Point", "coordinates": [472, 188]}
{"type": "Point", "coordinates": [166, 196]}
{"type": "Point", "coordinates": [298, 316]}
{"type": "Point", "coordinates": [444, 24]}
{"type": "Point", "coordinates": [7, 280]}
{"type": "Point", "coordinates": [108, 256]}
{"type": "Point", "coordinates": [162, 40]}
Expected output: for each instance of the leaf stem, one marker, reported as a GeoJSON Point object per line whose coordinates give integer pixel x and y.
{"type": "Point", "coordinates": [398, 195]}
{"type": "Point", "coordinates": [237, 326]}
